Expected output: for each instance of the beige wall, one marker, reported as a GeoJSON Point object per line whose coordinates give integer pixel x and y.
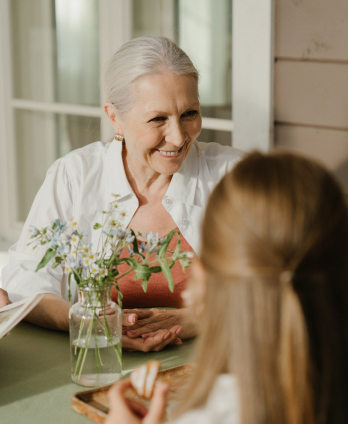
{"type": "Point", "coordinates": [311, 80]}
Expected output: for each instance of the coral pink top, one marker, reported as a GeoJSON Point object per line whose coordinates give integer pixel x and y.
{"type": "Point", "coordinates": [158, 293]}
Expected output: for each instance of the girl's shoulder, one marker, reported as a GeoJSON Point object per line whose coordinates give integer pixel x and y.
{"type": "Point", "coordinates": [221, 408]}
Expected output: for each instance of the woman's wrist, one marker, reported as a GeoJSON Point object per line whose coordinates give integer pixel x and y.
{"type": "Point", "coordinates": [187, 319]}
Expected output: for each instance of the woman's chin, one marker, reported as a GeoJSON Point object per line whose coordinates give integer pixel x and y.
{"type": "Point", "coordinates": [167, 168]}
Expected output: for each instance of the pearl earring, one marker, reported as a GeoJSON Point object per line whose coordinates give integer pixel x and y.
{"type": "Point", "coordinates": [119, 137]}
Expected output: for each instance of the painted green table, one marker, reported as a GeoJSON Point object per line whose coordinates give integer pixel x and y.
{"type": "Point", "coordinates": [35, 384]}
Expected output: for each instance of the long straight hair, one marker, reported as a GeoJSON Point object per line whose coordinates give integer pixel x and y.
{"type": "Point", "coordinates": [275, 252]}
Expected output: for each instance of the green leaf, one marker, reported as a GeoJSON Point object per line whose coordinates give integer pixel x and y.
{"type": "Point", "coordinates": [97, 226]}
{"type": "Point", "coordinates": [185, 263]}
{"type": "Point", "coordinates": [135, 244]}
{"type": "Point", "coordinates": [167, 273]}
{"type": "Point", "coordinates": [177, 248]}
{"type": "Point", "coordinates": [54, 266]}
{"type": "Point", "coordinates": [58, 259]}
{"type": "Point", "coordinates": [119, 296]}
{"type": "Point", "coordinates": [77, 277]}
{"type": "Point", "coordinates": [142, 272]}
{"type": "Point", "coordinates": [144, 282]}
{"type": "Point", "coordinates": [165, 244]}
{"type": "Point", "coordinates": [155, 269]}
{"type": "Point", "coordinates": [69, 281]}
{"type": "Point", "coordinates": [48, 256]}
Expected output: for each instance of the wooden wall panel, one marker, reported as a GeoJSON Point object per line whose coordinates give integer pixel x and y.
{"type": "Point", "coordinates": [311, 93]}
{"type": "Point", "coordinates": [312, 29]}
{"type": "Point", "coordinates": [330, 147]}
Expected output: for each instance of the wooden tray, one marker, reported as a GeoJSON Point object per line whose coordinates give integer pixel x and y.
{"type": "Point", "coordinates": [94, 403]}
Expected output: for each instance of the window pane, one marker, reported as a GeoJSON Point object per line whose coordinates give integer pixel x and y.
{"type": "Point", "coordinates": [40, 139]}
{"type": "Point", "coordinates": [210, 136]}
{"type": "Point", "coordinates": [203, 29]}
{"type": "Point", "coordinates": [55, 48]}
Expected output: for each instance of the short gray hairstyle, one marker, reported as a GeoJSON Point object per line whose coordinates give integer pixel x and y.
{"type": "Point", "coordinates": [139, 57]}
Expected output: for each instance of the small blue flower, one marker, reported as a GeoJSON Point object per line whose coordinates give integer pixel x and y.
{"type": "Point", "coordinates": [33, 231]}
{"type": "Point", "coordinates": [59, 226]}
{"type": "Point", "coordinates": [63, 249]}
{"type": "Point", "coordinates": [52, 241]}
{"type": "Point", "coordinates": [111, 233]}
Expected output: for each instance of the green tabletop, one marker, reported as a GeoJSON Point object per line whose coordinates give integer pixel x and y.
{"type": "Point", "coordinates": [35, 384]}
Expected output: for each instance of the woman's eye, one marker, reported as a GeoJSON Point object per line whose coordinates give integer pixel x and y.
{"type": "Point", "coordinates": [158, 119]}
{"type": "Point", "coordinates": [191, 114]}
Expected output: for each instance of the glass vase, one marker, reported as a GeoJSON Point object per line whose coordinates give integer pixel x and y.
{"type": "Point", "coordinates": [95, 324]}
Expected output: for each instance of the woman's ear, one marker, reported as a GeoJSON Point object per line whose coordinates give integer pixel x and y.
{"type": "Point", "coordinates": [115, 122]}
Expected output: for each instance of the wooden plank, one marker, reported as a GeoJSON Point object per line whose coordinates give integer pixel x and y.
{"type": "Point", "coordinates": [330, 147]}
{"type": "Point", "coordinates": [312, 29]}
{"type": "Point", "coordinates": [311, 93]}
{"type": "Point", "coordinates": [252, 74]}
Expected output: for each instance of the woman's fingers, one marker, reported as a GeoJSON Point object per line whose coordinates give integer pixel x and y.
{"type": "Point", "coordinates": [158, 320]}
{"type": "Point", "coordinates": [129, 319]}
{"type": "Point", "coordinates": [158, 405]}
{"type": "Point", "coordinates": [157, 342]}
{"type": "Point", "coordinates": [141, 314]}
{"type": "Point", "coordinates": [177, 329]}
{"type": "Point", "coordinates": [4, 299]}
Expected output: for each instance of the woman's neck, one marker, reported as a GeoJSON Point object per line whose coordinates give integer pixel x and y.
{"type": "Point", "coordinates": [145, 182]}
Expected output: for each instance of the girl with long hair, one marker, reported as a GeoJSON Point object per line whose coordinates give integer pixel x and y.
{"type": "Point", "coordinates": [271, 289]}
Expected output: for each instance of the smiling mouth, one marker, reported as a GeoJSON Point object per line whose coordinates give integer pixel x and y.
{"type": "Point", "coordinates": [170, 153]}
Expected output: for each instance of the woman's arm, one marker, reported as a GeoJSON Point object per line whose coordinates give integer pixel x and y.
{"type": "Point", "coordinates": [52, 312]}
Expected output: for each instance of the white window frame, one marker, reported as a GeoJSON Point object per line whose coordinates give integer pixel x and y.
{"type": "Point", "coordinates": [252, 88]}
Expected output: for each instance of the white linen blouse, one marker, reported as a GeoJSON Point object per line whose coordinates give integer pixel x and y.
{"type": "Point", "coordinates": [222, 406]}
{"type": "Point", "coordinates": [80, 184]}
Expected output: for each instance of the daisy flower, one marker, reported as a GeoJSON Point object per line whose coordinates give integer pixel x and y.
{"type": "Point", "coordinates": [86, 262]}
{"type": "Point", "coordinates": [72, 223]}
{"type": "Point", "coordinates": [94, 269]}
{"type": "Point", "coordinates": [103, 272]}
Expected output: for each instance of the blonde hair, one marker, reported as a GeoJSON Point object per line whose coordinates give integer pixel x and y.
{"type": "Point", "coordinates": [275, 252]}
{"type": "Point", "coordinates": [137, 58]}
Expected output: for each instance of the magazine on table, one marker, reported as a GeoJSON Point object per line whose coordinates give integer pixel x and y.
{"type": "Point", "coordinates": [11, 315]}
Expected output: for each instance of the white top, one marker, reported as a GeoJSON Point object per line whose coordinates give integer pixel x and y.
{"type": "Point", "coordinates": [80, 185]}
{"type": "Point", "coordinates": [222, 406]}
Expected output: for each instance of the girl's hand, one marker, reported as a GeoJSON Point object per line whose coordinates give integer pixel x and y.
{"type": "Point", "coordinates": [124, 411]}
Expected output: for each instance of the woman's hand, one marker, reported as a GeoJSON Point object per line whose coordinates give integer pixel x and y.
{"type": "Point", "coordinates": [156, 342]}
{"type": "Point", "coordinates": [150, 322]}
{"type": "Point", "coordinates": [4, 299]}
{"type": "Point", "coordinates": [124, 411]}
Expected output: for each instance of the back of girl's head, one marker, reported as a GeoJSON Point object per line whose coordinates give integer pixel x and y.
{"type": "Point", "coordinates": [275, 252]}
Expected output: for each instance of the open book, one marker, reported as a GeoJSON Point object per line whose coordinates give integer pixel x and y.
{"type": "Point", "coordinates": [11, 315]}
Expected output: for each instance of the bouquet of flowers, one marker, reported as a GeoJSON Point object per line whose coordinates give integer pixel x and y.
{"type": "Point", "coordinates": [98, 268]}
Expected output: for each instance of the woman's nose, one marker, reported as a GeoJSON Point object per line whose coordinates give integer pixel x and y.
{"type": "Point", "coordinates": [175, 134]}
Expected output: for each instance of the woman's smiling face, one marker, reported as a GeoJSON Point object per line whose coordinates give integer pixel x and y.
{"type": "Point", "coordinates": [163, 123]}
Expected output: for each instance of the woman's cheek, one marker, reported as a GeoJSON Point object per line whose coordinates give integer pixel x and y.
{"type": "Point", "coordinates": [195, 128]}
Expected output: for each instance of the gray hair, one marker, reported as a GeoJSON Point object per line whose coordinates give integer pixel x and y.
{"type": "Point", "coordinates": [139, 57]}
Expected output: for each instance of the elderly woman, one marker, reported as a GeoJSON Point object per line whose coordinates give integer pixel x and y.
{"type": "Point", "coordinates": [162, 175]}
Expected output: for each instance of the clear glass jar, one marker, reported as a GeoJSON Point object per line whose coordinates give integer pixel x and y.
{"type": "Point", "coordinates": [95, 324]}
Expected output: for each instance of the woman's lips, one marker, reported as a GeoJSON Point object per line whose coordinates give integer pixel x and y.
{"type": "Point", "coordinates": [170, 153]}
